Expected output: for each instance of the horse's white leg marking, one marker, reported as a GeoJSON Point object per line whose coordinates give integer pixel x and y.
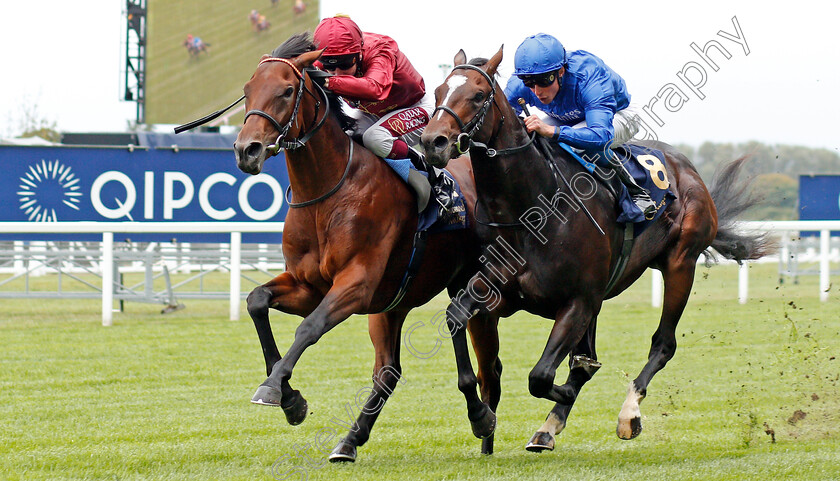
{"type": "Point", "coordinates": [552, 425]}
{"type": "Point", "coordinates": [629, 411]}
{"type": "Point", "coordinates": [453, 83]}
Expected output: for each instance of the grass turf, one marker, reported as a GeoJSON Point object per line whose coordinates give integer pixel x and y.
{"type": "Point", "coordinates": [751, 394]}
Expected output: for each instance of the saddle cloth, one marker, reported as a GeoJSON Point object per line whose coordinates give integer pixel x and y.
{"type": "Point", "coordinates": [646, 165]}
{"type": "Point", "coordinates": [429, 219]}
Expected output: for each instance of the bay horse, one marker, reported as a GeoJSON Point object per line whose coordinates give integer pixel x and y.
{"type": "Point", "coordinates": [347, 241]}
{"type": "Point", "coordinates": [560, 265]}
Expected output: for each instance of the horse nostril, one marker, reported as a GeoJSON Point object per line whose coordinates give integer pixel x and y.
{"type": "Point", "coordinates": [441, 142]}
{"type": "Point", "coordinates": [254, 150]}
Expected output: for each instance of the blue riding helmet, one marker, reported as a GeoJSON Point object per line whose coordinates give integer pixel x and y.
{"type": "Point", "coordinates": [538, 54]}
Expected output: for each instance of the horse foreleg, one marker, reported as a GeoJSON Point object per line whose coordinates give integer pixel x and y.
{"type": "Point", "coordinates": [384, 332]}
{"type": "Point", "coordinates": [678, 278]}
{"type": "Point", "coordinates": [570, 324]}
{"type": "Point", "coordinates": [583, 365]}
{"type": "Point", "coordinates": [349, 294]}
{"type": "Point", "coordinates": [482, 419]}
{"type": "Point", "coordinates": [484, 333]}
{"type": "Point", "coordinates": [286, 294]}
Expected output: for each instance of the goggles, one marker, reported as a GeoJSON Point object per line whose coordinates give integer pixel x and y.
{"type": "Point", "coordinates": [339, 62]}
{"type": "Point", "coordinates": [541, 80]}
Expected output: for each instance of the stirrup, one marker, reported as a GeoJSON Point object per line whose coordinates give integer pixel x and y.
{"type": "Point", "coordinates": [443, 189]}
{"type": "Point", "coordinates": [645, 204]}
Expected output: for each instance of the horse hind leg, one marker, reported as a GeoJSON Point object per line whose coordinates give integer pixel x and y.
{"type": "Point", "coordinates": [385, 330]}
{"type": "Point", "coordinates": [583, 365]}
{"type": "Point", "coordinates": [484, 333]}
{"type": "Point", "coordinates": [678, 278]}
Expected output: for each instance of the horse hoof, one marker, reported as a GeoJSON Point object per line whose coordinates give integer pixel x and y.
{"type": "Point", "coordinates": [343, 453]}
{"type": "Point", "coordinates": [629, 429]}
{"type": "Point", "coordinates": [485, 425]}
{"type": "Point", "coordinates": [540, 442]}
{"type": "Point", "coordinates": [267, 396]}
{"type": "Point", "coordinates": [487, 444]}
{"type": "Point", "coordinates": [297, 410]}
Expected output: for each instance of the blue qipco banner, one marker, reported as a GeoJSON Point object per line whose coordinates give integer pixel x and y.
{"type": "Point", "coordinates": [47, 184]}
{"type": "Point", "coordinates": [819, 198]}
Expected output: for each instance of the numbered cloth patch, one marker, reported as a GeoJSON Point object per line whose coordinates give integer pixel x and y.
{"type": "Point", "coordinates": [647, 166]}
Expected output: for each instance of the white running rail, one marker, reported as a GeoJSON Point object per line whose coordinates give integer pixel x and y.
{"type": "Point", "coordinates": [107, 229]}
{"type": "Point", "coordinates": [787, 227]}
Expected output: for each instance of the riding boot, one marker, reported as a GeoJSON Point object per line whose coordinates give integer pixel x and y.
{"type": "Point", "coordinates": [640, 195]}
{"type": "Point", "coordinates": [443, 187]}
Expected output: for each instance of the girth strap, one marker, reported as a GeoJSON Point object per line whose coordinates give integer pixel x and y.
{"type": "Point", "coordinates": [418, 248]}
{"type": "Point", "coordinates": [623, 257]}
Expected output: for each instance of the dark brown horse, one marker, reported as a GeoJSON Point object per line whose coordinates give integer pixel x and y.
{"type": "Point", "coordinates": [557, 264]}
{"type": "Point", "coordinates": [347, 239]}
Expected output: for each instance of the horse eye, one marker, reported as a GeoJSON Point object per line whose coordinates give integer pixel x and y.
{"type": "Point", "coordinates": [479, 96]}
{"type": "Point", "coordinates": [289, 91]}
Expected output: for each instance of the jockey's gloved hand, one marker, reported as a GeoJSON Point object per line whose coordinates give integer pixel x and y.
{"type": "Point", "coordinates": [319, 76]}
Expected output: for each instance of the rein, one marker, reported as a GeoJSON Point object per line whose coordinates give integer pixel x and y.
{"type": "Point", "coordinates": [282, 130]}
{"type": "Point", "coordinates": [297, 205]}
{"type": "Point", "coordinates": [300, 142]}
{"type": "Point", "coordinates": [280, 143]}
{"type": "Point", "coordinates": [465, 141]}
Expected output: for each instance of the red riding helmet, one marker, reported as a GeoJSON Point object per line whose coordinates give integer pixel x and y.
{"type": "Point", "coordinates": [340, 36]}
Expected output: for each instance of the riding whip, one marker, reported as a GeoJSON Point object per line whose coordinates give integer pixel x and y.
{"type": "Point", "coordinates": [545, 151]}
{"type": "Point", "coordinates": [204, 120]}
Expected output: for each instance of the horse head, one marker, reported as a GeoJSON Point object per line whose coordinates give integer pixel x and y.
{"type": "Point", "coordinates": [464, 109]}
{"type": "Point", "coordinates": [273, 97]}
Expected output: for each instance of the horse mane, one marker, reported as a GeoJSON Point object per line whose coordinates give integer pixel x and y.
{"type": "Point", "coordinates": [299, 44]}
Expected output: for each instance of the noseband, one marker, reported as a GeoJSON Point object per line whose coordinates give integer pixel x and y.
{"type": "Point", "coordinates": [281, 143]}
{"type": "Point", "coordinates": [468, 129]}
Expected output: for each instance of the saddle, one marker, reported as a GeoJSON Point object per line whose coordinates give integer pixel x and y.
{"type": "Point", "coordinates": [631, 220]}
{"type": "Point", "coordinates": [645, 165]}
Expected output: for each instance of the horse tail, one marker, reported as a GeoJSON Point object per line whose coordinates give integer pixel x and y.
{"type": "Point", "coordinates": [732, 198]}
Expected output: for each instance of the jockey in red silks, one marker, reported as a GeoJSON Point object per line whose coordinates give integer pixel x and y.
{"type": "Point", "coordinates": [375, 77]}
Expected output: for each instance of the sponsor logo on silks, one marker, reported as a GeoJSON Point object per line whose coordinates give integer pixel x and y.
{"type": "Point", "coordinates": [568, 116]}
{"type": "Point", "coordinates": [407, 121]}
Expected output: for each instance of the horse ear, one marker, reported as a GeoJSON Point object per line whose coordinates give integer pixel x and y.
{"type": "Point", "coordinates": [494, 62]}
{"type": "Point", "coordinates": [460, 57]}
{"type": "Point", "coordinates": [307, 59]}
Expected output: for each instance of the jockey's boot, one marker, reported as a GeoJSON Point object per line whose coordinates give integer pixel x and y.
{"type": "Point", "coordinates": [443, 188]}
{"type": "Point", "coordinates": [640, 195]}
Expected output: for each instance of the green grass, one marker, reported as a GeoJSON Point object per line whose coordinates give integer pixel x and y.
{"type": "Point", "coordinates": [180, 88]}
{"type": "Point", "coordinates": [166, 396]}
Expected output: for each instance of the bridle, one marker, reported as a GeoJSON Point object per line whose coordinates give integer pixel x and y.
{"type": "Point", "coordinates": [293, 144]}
{"type": "Point", "coordinates": [465, 140]}
{"type": "Point", "coordinates": [282, 130]}
{"type": "Point", "coordinates": [281, 142]}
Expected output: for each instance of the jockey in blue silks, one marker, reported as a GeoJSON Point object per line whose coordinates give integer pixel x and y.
{"type": "Point", "coordinates": [585, 100]}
